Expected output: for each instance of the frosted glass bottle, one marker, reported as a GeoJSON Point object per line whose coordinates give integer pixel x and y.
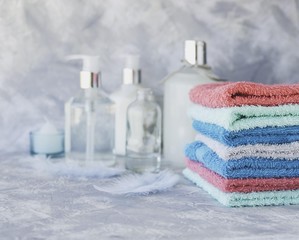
{"type": "Point", "coordinates": [177, 126]}
{"type": "Point", "coordinates": [89, 120]}
{"type": "Point", "coordinates": [143, 145]}
{"type": "Point", "coordinates": [123, 97]}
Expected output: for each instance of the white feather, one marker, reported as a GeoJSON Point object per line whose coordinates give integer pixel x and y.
{"type": "Point", "coordinates": [141, 184]}
{"type": "Point", "coordinates": [70, 168]}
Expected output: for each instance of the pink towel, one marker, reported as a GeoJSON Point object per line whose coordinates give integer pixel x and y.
{"type": "Point", "coordinates": [244, 185]}
{"type": "Point", "coordinates": [229, 94]}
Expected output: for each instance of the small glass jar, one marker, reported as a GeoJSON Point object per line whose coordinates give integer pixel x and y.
{"type": "Point", "coordinates": [143, 141]}
{"type": "Point", "coordinates": [49, 144]}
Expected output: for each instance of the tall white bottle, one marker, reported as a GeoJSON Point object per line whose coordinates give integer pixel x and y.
{"type": "Point", "coordinates": [177, 126]}
{"type": "Point", "coordinates": [123, 97]}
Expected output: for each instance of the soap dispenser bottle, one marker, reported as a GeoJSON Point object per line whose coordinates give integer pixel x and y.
{"type": "Point", "coordinates": [122, 97]}
{"type": "Point", "coordinates": [89, 118]}
{"type": "Point", "coordinates": [177, 126]}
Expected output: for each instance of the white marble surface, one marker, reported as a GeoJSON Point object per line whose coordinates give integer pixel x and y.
{"type": "Point", "coordinates": [38, 206]}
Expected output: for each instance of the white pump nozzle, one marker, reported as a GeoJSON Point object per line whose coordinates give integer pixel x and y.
{"type": "Point", "coordinates": [90, 74]}
{"type": "Point", "coordinates": [132, 61]}
{"type": "Point", "coordinates": [132, 72]}
{"type": "Point", "coordinates": [90, 63]}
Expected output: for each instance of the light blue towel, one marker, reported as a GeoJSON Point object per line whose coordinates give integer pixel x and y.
{"type": "Point", "coordinates": [268, 135]}
{"type": "Point", "coordinates": [248, 116]}
{"type": "Point", "coordinates": [245, 199]}
{"type": "Point", "coordinates": [245, 167]}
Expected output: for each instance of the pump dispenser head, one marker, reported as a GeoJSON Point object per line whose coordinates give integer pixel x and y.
{"type": "Point", "coordinates": [90, 76]}
{"type": "Point", "coordinates": [132, 72]}
{"type": "Point", "coordinates": [196, 52]}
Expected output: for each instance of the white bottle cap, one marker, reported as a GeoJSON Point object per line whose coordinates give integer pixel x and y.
{"type": "Point", "coordinates": [195, 52]}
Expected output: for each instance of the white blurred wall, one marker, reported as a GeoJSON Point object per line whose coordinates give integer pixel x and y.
{"type": "Point", "coordinates": [247, 40]}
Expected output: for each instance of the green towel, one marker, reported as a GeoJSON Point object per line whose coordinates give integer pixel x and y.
{"type": "Point", "coordinates": [251, 199]}
{"type": "Point", "coordinates": [247, 117]}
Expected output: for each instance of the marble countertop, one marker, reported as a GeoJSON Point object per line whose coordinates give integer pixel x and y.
{"type": "Point", "coordinates": [38, 206]}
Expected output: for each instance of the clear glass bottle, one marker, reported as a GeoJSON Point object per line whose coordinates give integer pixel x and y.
{"type": "Point", "coordinates": [143, 145]}
{"type": "Point", "coordinates": [89, 119]}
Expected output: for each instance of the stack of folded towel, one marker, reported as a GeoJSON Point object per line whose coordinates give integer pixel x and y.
{"type": "Point", "coordinates": [246, 152]}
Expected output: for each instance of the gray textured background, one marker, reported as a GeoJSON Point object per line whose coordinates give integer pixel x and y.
{"type": "Point", "coordinates": [247, 40]}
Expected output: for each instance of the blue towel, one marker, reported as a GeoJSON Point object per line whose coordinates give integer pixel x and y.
{"type": "Point", "coordinates": [268, 135]}
{"type": "Point", "coordinates": [244, 167]}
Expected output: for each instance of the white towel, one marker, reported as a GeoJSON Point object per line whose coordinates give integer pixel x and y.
{"type": "Point", "coordinates": [288, 151]}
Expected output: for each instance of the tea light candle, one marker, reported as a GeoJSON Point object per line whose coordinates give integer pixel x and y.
{"type": "Point", "coordinates": [48, 140]}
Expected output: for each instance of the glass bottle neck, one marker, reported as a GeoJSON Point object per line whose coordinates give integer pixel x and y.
{"type": "Point", "coordinates": [145, 94]}
{"type": "Point", "coordinates": [93, 93]}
